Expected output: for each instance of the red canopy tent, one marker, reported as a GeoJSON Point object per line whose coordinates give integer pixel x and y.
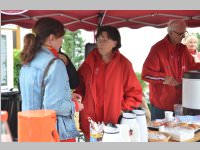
{"type": "Point", "coordinates": [91, 19]}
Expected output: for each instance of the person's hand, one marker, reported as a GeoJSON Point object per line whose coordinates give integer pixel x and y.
{"type": "Point", "coordinates": [80, 106]}
{"type": "Point", "coordinates": [146, 109]}
{"type": "Point", "coordinates": [196, 59]}
{"type": "Point", "coordinates": [78, 98]}
{"type": "Point", "coordinates": [63, 58]}
{"type": "Point", "coordinates": [169, 80]}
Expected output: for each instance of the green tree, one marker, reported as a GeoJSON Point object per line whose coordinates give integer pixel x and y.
{"type": "Point", "coordinates": [144, 88]}
{"type": "Point", "coordinates": [17, 66]}
{"type": "Point", "coordinates": [142, 82]}
{"type": "Point", "coordinates": [198, 36]}
{"type": "Point", "coordinates": [73, 45]}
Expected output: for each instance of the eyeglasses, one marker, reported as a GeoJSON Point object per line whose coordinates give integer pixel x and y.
{"type": "Point", "coordinates": [181, 34]}
{"type": "Point", "coordinates": [100, 39]}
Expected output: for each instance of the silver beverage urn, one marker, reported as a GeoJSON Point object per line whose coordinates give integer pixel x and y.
{"type": "Point", "coordinates": [191, 93]}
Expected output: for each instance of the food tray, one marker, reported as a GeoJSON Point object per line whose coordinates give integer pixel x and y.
{"type": "Point", "coordinates": [156, 128]}
{"type": "Point", "coordinates": [156, 136]}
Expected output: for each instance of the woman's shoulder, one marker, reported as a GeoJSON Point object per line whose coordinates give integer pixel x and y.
{"type": "Point", "coordinates": [89, 60]}
{"type": "Point", "coordinates": [42, 59]}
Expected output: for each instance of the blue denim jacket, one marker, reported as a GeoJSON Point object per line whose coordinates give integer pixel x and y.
{"type": "Point", "coordinates": [57, 95]}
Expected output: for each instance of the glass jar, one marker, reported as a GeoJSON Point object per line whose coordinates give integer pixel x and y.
{"type": "Point", "coordinates": [5, 131]}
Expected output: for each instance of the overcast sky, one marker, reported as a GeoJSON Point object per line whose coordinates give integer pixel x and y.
{"type": "Point", "coordinates": [136, 43]}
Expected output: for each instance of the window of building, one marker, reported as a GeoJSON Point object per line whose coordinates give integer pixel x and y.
{"type": "Point", "coordinates": [7, 58]}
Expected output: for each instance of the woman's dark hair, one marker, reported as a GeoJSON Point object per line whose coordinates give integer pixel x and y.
{"type": "Point", "coordinates": [41, 30]}
{"type": "Point", "coordinates": [113, 34]}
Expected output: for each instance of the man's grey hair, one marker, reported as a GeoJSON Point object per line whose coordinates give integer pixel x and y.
{"type": "Point", "coordinates": [172, 24]}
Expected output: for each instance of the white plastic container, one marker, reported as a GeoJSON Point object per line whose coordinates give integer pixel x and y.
{"type": "Point", "coordinates": [111, 134]}
{"type": "Point", "coordinates": [130, 119]}
{"type": "Point", "coordinates": [124, 132]}
{"type": "Point", "coordinates": [141, 120]}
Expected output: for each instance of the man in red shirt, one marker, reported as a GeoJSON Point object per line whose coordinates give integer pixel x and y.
{"type": "Point", "coordinates": [164, 68]}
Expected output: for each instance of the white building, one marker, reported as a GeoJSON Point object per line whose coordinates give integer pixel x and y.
{"type": "Point", "coordinates": [11, 38]}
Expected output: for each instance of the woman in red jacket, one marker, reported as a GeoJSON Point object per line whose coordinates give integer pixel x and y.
{"type": "Point", "coordinates": [191, 41]}
{"type": "Point", "coordinates": [108, 84]}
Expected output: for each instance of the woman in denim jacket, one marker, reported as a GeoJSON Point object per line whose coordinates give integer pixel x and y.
{"type": "Point", "coordinates": [39, 49]}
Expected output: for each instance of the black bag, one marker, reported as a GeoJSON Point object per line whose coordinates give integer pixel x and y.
{"type": "Point", "coordinates": [72, 73]}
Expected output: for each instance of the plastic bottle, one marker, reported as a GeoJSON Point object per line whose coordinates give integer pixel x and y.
{"type": "Point", "coordinates": [5, 130]}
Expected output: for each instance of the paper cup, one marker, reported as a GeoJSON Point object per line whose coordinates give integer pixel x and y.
{"type": "Point", "coordinates": [169, 115]}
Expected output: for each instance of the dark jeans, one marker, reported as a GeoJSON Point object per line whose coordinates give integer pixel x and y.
{"type": "Point", "coordinates": [157, 113]}
{"type": "Point", "coordinates": [192, 112]}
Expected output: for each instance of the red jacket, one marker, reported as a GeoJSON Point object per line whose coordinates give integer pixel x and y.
{"type": "Point", "coordinates": [121, 89]}
{"type": "Point", "coordinates": [166, 59]}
